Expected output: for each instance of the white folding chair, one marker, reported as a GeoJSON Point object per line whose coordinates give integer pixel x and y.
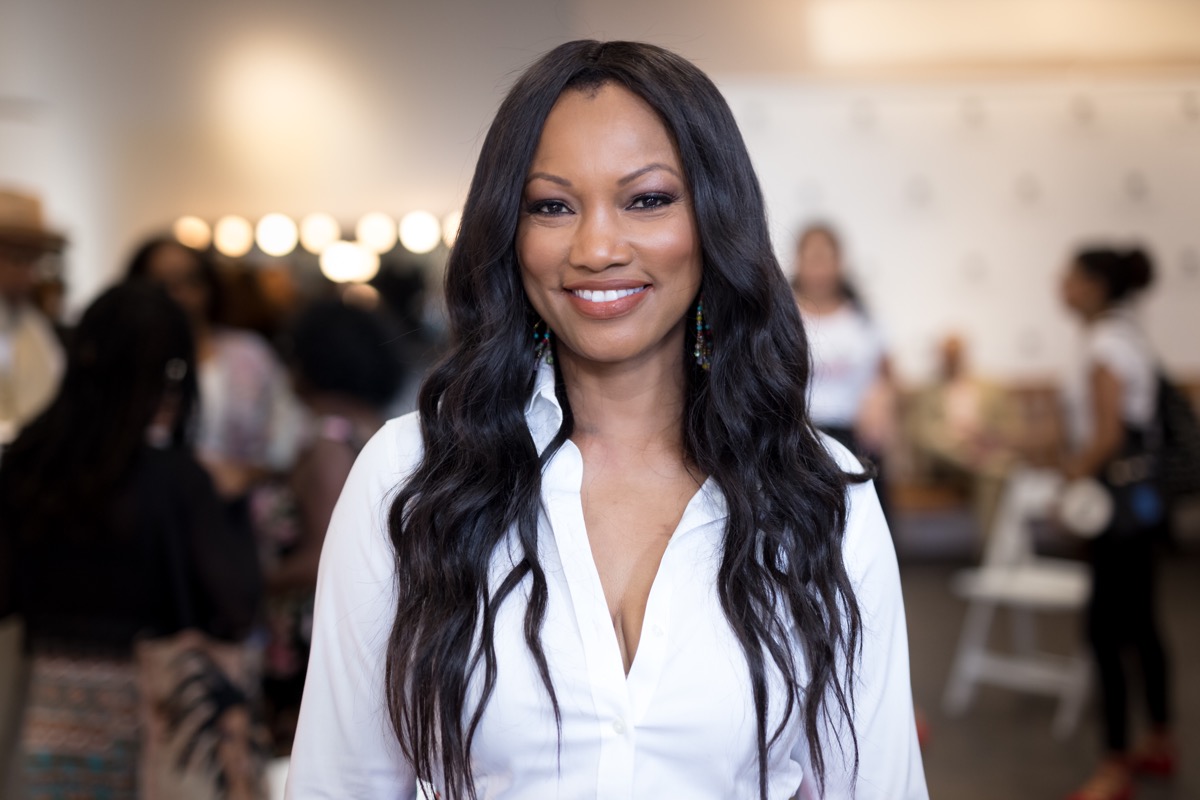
{"type": "Point", "coordinates": [1012, 577]}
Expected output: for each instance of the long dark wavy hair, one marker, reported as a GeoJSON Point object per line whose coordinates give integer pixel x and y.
{"type": "Point", "coordinates": [206, 271]}
{"type": "Point", "coordinates": [745, 424]}
{"type": "Point", "coordinates": [131, 347]}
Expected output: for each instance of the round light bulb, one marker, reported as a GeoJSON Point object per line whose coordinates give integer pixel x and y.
{"type": "Point", "coordinates": [450, 224]}
{"type": "Point", "coordinates": [233, 236]}
{"type": "Point", "coordinates": [319, 230]}
{"type": "Point", "coordinates": [420, 232]}
{"type": "Point", "coordinates": [349, 262]}
{"type": "Point", "coordinates": [192, 232]}
{"type": "Point", "coordinates": [376, 231]}
{"type": "Point", "coordinates": [276, 235]}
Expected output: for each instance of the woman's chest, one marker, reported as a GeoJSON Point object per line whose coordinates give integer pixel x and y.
{"type": "Point", "coordinates": [684, 711]}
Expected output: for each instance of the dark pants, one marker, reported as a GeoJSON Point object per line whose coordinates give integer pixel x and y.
{"type": "Point", "coordinates": [1121, 617]}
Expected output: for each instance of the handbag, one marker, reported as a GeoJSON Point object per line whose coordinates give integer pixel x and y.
{"type": "Point", "coordinates": [1125, 499]}
{"type": "Point", "coordinates": [201, 735]}
{"type": "Point", "coordinates": [1179, 450]}
{"type": "Point", "coordinates": [1133, 480]}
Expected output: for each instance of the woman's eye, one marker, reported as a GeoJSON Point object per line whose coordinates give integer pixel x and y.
{"type": "Point", "coordinates": [652, 201]}
{"type": "Point", "coordinates": [548, 207]}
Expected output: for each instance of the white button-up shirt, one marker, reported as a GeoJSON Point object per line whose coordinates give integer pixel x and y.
{"type": "Point", "coordinates": [680, 725]}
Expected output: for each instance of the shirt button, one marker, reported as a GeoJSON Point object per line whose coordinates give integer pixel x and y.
{"type": "Point", "coordinates": [619, 727]}
{"type": "Point", "coordinates": [658, 631]}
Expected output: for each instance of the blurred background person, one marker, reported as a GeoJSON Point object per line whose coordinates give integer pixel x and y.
{"type": "Point", "coordinates": [346, 370]}
{"type": "Point", "coordinates": [418, 318]}
{"type": "Point", "coordinates": [31, 358]}
{"type": "Point", "coordinates": [89, 494]}
{"type": "Point", "coordinates": [1111, 402]}
{"type": "Point", "coordinates": [249, 420]}
{"type": "Point", "coordinates": [49, 295]}
{"type": "Point", "coordinates": [964, 429]}
{"type": "Point", "coordinates": [851, 396]}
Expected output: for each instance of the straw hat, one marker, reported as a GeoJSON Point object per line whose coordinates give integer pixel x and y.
{"type": "Point", "coordinates": [21, 223]}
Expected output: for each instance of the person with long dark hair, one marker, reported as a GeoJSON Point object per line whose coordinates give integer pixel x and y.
{"type": "Point", "coordinates": [1111, 405]}
{"type": "Point", "coordinates": [89, 494]}
{"type": "Point", "coordinates": [249, 421]}
{"type": "Point", "coordinates": [610, 556]}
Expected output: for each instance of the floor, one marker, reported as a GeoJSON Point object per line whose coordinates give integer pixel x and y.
{"type": "Point", "coordinates": [1002, 748]}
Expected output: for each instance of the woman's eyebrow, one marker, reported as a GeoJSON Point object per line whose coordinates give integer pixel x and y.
{"type": "Point", "coordinates": [657, 165]}
{"type": "Point", "coordinates": [546, 176]}
{"type": "Point", "coordinates": [637, 173]}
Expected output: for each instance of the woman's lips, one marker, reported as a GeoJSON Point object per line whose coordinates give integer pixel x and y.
{"type": "Point", "coordinates": [606, 303]}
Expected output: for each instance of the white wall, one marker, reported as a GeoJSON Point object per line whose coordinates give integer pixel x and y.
{"type": "Point", "coordinates": [960, 201]}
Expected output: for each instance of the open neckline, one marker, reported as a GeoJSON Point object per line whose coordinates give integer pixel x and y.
{"type": "Point", "coordinates": [689, 510]}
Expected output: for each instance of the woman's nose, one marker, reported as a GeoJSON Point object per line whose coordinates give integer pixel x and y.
{"type": "Point", "coordinates": [599, 241]}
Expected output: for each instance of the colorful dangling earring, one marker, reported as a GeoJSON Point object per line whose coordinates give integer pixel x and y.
{"type": "Point", "coordinates": [542, 347]}
{"type": "Point", "coordinates": [703, 351]}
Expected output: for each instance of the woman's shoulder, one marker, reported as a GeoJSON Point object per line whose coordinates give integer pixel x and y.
{"type": "Point", "coordinates": [841, 455]}
{"type": "Point", "coordinates": [357, 541]}
{"type": "Point", "coordinates": [1118, 338]}
{"type": "Point", "coordinates": [867, 536]}
{"type": "Point", "coordinates": [392, 453]}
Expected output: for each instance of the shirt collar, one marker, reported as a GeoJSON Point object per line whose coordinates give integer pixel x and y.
{"type": "Point", "coordinates": [543, 414]}
{"type": "Point", "coordinates": [713, 505]}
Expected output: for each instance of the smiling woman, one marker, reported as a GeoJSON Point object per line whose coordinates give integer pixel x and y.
{"type": "Point", "coordinates": [610, 557]}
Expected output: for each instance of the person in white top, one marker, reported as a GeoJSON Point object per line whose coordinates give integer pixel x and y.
{"type": "Point", "coordinates": [609, 557]}
{"type": "Point", "coordinates": [850, 393]}
{"type": "Point", "coordinates": [1110, 405]}
{"type": "Point", "coordinates": [31, 358]}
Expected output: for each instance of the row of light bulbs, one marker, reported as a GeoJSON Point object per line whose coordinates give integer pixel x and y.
{"type": "Point", "coordinates": [319, 233]}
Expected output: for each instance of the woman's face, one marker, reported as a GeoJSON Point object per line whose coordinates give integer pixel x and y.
{"type": "Point", "coordinates": [1082, 293]}
{"type": "Point", "coordinates": [176, 270]}
{"type": "Point", "coordinates": [818, 267]}
{"type": "Point", "coordinates": [607, 240]}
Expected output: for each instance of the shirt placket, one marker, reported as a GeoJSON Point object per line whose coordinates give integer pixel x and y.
{"type": "Point", "coordinates": [615, 720]}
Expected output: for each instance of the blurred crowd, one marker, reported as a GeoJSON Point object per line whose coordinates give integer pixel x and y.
{"type": "Point", "coordinates": [215, 404]}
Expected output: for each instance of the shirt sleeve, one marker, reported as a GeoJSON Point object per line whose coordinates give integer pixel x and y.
{"type": "Point", "coordinates": [890, 766]}
{"type": "Point", "coordinates": [1119, 346]}
{"type": "Point", "coordinates": [1115, 349]}
{"type": "Point", "coordinates": [345, 747]}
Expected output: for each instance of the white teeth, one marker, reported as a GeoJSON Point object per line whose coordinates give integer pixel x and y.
{"type": "Point", "coordinates": [601, 296]}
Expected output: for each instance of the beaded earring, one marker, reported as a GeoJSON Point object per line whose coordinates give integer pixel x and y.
{"type": "Point", "coordinates": [703, 351]}
{"type": "Point", "coordinates": [542, 348]}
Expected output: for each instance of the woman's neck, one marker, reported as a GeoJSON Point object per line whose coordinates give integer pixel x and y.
{"type": "Point", "coordinates": [638, 405]}
{"type": "Point", "coordinates": [820, 306]}
{"type": "Point", "coordinates": [1092, 316]}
